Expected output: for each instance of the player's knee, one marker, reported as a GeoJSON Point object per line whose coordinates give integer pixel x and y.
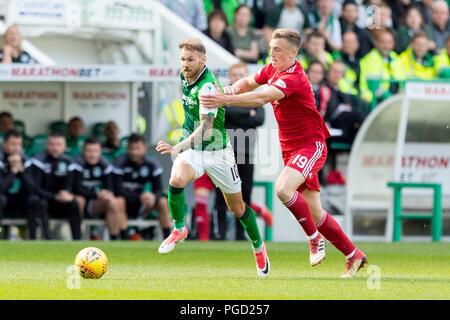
{"type": "Point", "coordinates": [177, 181]}
{"type": "Point", "coordinates": [238, 209]}
{"type": "Point", "coordinates": [283, 192]}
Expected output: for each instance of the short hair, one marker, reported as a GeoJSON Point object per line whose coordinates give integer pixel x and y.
{"type": "Point", "coordinates": [91, 140]}
{"type": "Point", "coordinates": [383, 31]}
{"type": "Point", "coordinates": [315, 34]}
{"type": "Point", "coordinates": [292, 36]}
{"type": "Point", "coordinates": [11, 133]}
{"type": "Point", "coordinates": [135, 138]}
{"type": "Point", "coordinates": [419, 34]}
{"type": "Point", "coordinates": [74, 119]}
{"type": "Point", "coordinates": [238, 65]}
{"type": "Point", "coordinates": [6, 114]}
{"type": "Point", "coordinates": [218, 13]}
{"type": "Point", "coordinates": [239, 7]}
{"type": "Point", "coordinates": [56, 134]}
{"type": "Point", "coordinates": [193, 45]}
{"type": "Point", "coordinates": [314, 62]}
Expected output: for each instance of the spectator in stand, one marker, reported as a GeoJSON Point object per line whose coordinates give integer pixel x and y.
{"type": "Point", "coordinates": [289, 15]}
{"type": "Point", "coordinates": [314, 50]}
{"type": "Point", "coordinates": [442, 61]}
{"type": "Point", "coordinates": [137, 179]}
{"type": "Point", "coordinates": [94, 187]}
{"type": "Point", "coordinates": [6, 121]}
{"type": "Point", "coordinates": [12, 51]}
{"type": "Point", "coordinates": [425, 7]}
{"type": "Point", "coordinates": [53, 177]}
{"type": "Point", "coordinates": [440, 24]}
{"type": "Point", "coordinates": [413, 23]}
{"type": "Point", "coordinates": [349, 55]}
{"type": "Point", "coordinates": [348, 23]}
{"type": "Point", "coordinates": [381, 63]}
{"type": "Point", "coordinates": [243, 37]}
{"type": "Point", "coordinates": [75, 130]}
{"type": "Point", "coordinates": [398, 9]}
{"type": "Point", "coordinates": [217, 24]}
{"type": "Point", "coordinates": [260, 10]}
{"type": "Point", "coordinates": [380, 21]}
{"type": "Point", "coordinates": [17, 185]}
{"type": "Point", "coordinates": [326, 23]}
{"type": "Point", "coordinates": [192, 11]}
{"type": "Point", "coordinates": [316, 75]}
{"type": "Point", "coordinates": [336, 107]}
{"type": "Point", "coordinates": [112, 143]}
{"type": "Point", "coordinates": [417, 61]}
{"type": "Point", "coordinates": [227, 6]}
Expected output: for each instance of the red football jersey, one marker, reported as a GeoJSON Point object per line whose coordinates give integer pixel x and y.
{"type": "Point", "coordinates": [299, 122]}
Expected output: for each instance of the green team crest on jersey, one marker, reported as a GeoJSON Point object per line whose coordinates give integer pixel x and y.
{"type": "Point", "coordinates": [191, 106]}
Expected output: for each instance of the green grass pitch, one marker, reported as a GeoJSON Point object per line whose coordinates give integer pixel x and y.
{"type": "Point", "coordinates": [223, 270]}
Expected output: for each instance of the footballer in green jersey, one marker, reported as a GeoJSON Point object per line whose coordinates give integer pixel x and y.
{"type": "Point", "coordinates": [205, 147]}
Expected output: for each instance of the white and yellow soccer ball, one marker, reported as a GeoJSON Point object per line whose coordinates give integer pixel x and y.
{"type": "Point", "coordinates": [91, 263]}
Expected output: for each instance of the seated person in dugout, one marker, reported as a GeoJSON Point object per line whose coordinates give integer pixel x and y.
{"type": "Point", "coordinates": [16, 184]}
{"type": "Point", "coordinates": [112, 142]}
{"type": "Point", "coordinates": [137, 179]}
{"type": "Point", "coordinates": [53, 176]}
{"type": "Point", "coordinates": [94, 188]}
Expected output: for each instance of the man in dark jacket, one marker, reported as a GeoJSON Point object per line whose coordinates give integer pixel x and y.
{"type": "Point", "coordinates": [241, 124]}
{"type": "Point", "coordinates": [53, 173]}
{"type": "Point", "coordinates": [16, 184]}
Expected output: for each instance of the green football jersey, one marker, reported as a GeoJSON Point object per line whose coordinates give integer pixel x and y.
{"type": "Point", "coordinates": [191, 103]}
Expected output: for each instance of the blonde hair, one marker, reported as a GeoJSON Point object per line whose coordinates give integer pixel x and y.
{"type": "Point", "coordinates": [6, 34]}
{"type": "Point", "coordinates": [292, 36]}
{"type": "Point", "coordinates": [193, 45]}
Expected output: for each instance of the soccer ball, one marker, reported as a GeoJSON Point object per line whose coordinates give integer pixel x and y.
{"type": "Point", "coordinates": [91, 262]}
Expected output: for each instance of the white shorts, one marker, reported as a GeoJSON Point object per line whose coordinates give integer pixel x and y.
{"type": "Point", "coordinates": [220, 166]}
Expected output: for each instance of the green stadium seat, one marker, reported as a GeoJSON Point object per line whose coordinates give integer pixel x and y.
{"type": "Point", "coordinates": [97, 131]}
{"type": "Point", "coordinates": [1, 138]}
{"type": "Point", "coordinates": [109, 156]}
{"type": "Point", "coordinates": [37, 145]}
{"type": "Point", "coordinates": [58, 126]}
{"type": "Point", "coordinates": [75, 146]}
{"type": "Point", "coordinates": [123, 146]}
{"type": "Point", "coordinates": [19, 125]}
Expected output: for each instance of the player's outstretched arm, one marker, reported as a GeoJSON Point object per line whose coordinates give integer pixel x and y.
{"type": "Point", "coordinates": [249, 99]}
{"type": "Point", "coordinates": [202, 133]}
{"type": "Point", "coordinates": [243, 85]}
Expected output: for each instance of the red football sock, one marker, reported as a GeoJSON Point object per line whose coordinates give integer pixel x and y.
{"type": "Point", "coordinates": [299, 208]}
{"type": "Point", "coordinates": [332, 231]}
{"type": "Point", "coordinates": [201, 216]}
{"type": "Point", "coordinates": [258, 210]}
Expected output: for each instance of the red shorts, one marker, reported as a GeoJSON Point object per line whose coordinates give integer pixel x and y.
{"type": "Point", "coordinates": [308, 161]}
{"type": "Point", "coordinates": [204, 182]}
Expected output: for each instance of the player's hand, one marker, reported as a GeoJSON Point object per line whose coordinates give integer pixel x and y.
{"type": "Point", "coordinates": [230, 90]}
{"type": "Point", "coordinates": [166, 148]}
{"type": "Point", "coordinates": [105, 194]}
{"type": "Point", "coordinates": [148, 199]}
{"type": "Point", "coordinates": [213, 100]}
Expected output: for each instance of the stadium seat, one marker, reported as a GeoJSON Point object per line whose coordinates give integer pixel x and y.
{"type": "Point", "coordinates": [1, 138]}
{"type": "Point", "coordinates": [97, 131]}
{"type": "Point", "coordinates": [76, 147]}
{"type": "Point", "coordinates": [37, 145]}
{"type": "Point", "coordinates": [123, 146]}
{"type": "Point", "coordinates": [19, 125]}
{"type": "Point", "coordinates": [109, 156]}
{"type": "Point", "coordinates": [58, 126]}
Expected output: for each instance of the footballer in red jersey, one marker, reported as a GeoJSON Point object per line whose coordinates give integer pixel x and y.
{"type": "Point", "coordinates": [302, 133]}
